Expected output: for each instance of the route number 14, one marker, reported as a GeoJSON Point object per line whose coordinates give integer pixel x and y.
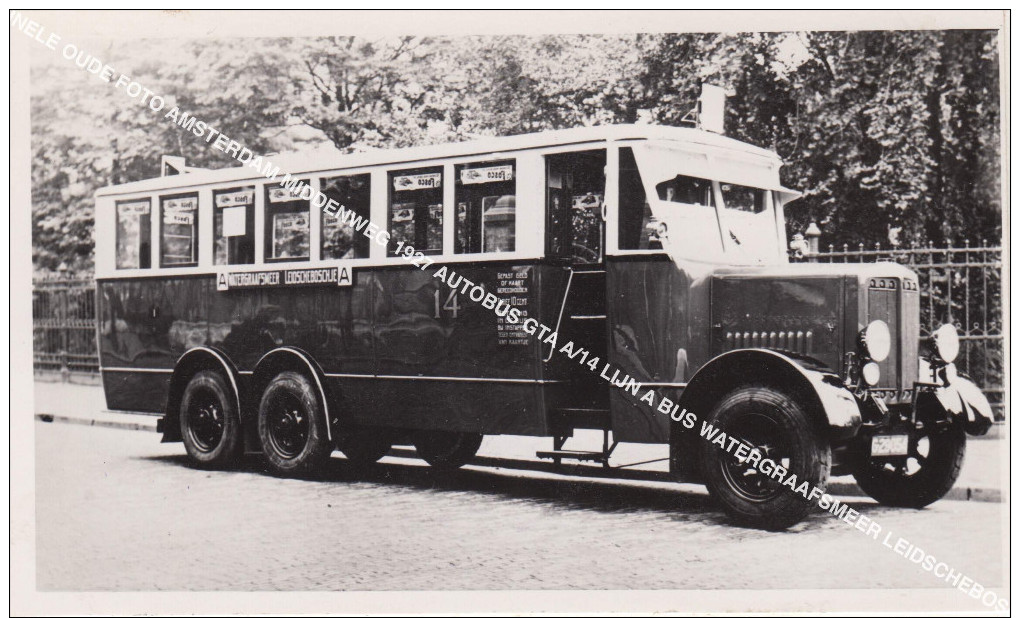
{"type": "Point", "coordinates": [450, 304]}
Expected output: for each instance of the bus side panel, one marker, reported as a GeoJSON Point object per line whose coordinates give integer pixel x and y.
{"type": "Point", "coordinates": [453, 363]}
{"type": "Point", "coordinates": [144, 327]}
{"type": "Point", "coordinates": [653, 339]}
{"type": "Point", "coordinates": [332, 324]}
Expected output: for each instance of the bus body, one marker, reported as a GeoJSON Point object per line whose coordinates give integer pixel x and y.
{"type": "Point", "coordinates": [254, 321]}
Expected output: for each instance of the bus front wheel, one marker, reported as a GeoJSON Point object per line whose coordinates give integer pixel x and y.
{"type": "Point", "coordinates": [210, 428]}
{"type": "Point", "coordinates": [292, 426]}
{"type": "Point", "coordinates": [447, 450]}
{"type": "Point", "coordinates": [775, 427]}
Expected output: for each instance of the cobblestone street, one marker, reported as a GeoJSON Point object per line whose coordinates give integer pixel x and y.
{"type": "Point", "coordinates": [116, 510]}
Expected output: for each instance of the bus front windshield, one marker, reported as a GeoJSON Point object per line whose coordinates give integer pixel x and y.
{"type": "Point", "coordinates": [709, 220]}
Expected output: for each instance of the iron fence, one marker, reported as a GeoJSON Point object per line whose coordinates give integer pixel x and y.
{"type": "Point", "coordinates": [960, 286]}
{"type": "Point", "coordinates": [64, 326]}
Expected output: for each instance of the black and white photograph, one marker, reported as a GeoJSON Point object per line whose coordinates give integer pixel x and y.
{"type": "Point", "coordinates": [509, 312]}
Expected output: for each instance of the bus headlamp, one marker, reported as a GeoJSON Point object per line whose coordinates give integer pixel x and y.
{"type": "Point", "coordinates": [871, 373]}
{"type": "Point", "coordinates": [877, 341]}
{"type": "Point", "coordinates": [947, 342]}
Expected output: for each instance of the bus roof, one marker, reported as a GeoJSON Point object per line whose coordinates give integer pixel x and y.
{"type": "Point", "coordinates": [299, 164]}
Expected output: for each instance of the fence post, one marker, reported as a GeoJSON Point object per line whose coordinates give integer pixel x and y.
{"type": "Point", "coordinates": [812, 233]}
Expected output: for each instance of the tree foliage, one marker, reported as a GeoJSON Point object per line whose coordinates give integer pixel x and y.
{"type": "Point", "coordinates": [890, 135]}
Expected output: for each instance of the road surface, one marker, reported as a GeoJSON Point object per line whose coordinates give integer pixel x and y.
{"type": "Point", "coordinates": [117, 510]}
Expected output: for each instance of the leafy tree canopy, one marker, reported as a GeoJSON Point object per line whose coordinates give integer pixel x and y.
{"type": "Point", "coordinates": [892, 136]}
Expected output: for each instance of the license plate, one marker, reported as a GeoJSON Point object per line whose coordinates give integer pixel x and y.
{"type": "Point", "coordinates": [889, 445]}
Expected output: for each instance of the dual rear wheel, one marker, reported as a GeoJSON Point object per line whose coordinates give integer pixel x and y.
{"type": "Point", "coordinates": [292, 429]}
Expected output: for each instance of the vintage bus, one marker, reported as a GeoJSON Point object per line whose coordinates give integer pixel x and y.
{"type": "Point", "coordinates": [254, 322]}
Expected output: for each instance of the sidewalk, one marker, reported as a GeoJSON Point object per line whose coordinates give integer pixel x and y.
{"type": "Point", "coordinates": [980, 480]}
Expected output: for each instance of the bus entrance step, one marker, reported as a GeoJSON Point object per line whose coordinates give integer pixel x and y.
{"type": "Point", "coordinates": [596, 456]}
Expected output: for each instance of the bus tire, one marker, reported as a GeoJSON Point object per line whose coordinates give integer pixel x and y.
{"type": "Point", "coordinates": [364, 446]}
{"type": "Point", "coordinates": [894, 482]}
{"type": "Point", "coordinates": [447, 450]}
{"type": "Point", "coordinates": [779, 428]}
{"type": "Point", "coordinates": [210, 426]}
{"type": "Point", "coordinates": [292, 426]}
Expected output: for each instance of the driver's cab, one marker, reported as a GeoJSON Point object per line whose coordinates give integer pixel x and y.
{"type": "Point", "coordinates": [696, 203]}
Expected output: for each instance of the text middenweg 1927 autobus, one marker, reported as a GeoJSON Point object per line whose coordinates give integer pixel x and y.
{"type": "Point", "coordinates": [254, 322]}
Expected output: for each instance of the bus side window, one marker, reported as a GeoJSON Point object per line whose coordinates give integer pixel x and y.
{"type": "Point", "coordinates": [134, 221]}
{"type": "Point", "coordinates": [638, 228]}
{"type": "Point", "coordinates": [287, 225]}
{"type": "Point", "coordinates": [416, 209]}
{"type": "Point", "coordinates": [486, 199]}
{"type": "Point", "coordinates": [234, 226]}
{"type": "Point", "coordinates": [179, 230]}
{"type": "Point", "coordinates": [339, 240]}
{"type": "Point", "coordinates": [575, 193]}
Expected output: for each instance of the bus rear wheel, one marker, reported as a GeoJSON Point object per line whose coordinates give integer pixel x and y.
{"type": "Point", "coordinates": [210, 427]}
{"type": "Point", "coordinates": [768, 421]}
{"type": "Point", "coordinates": [292, 426]}
{"type": "Point", "coordinates": [447, 450]}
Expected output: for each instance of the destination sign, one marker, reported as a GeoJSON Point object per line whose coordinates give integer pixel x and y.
{"type": "Point", "coordinates": [133, 209]}
{"type": "Point", "coordinates": [279, 195]}
{"type": "Point", "coordinates": [478, 175]}
{"type": "Point", "coordinates": [418, 181]}
{"type": "Point", "coordinates": [332, 275]}
{"type": "Point", "coordinates": [235, 198]}
{"type": "Point", "coordinates": [180, 204]}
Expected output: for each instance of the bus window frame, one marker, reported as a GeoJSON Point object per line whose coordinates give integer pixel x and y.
{"type": "Point", "coordinates": [267, 232]}
{"type": "Point", "coordinates": [530, 229]}
{"type": "Point", "coordinates": [116, 233]}
{"type": "Point", "coordinates": [318, 221]}
{"type": "Point", "coordinates": [609, 205]}
{"type": "Point", "coordinates": [251, 210]}
{"type": "Point", "coordinates": [197, 242]}
{"type": "Point", "coordinates": [459, 166]}
{"type": "Point", "coordinates": [444, 166]}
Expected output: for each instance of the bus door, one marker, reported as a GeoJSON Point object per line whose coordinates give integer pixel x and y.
{"type": "Point", "coordinates": [575, 203]}
{"type": "Point", "coordinates": [575, 244]}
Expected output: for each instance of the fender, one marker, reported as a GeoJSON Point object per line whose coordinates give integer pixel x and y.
{"type": "Point", "coordinates": [962, 398]}
{"type": "Point", "coordinates": [190, 363]}
{"type": "Point", "coordinates": [266, 368]}
{"type": "Point", "coordinates": [831, 403]}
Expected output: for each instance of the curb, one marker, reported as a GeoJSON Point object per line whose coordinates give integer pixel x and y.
{"type": "Point", "coordinates": [74, 420]}
{"type": "Point", "coordinates": [964, 494]}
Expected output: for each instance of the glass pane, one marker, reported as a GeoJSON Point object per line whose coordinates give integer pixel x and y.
{"type": "Point", "coordinates": [746, 199]}
{"type": "Point", "coordinates": [133, 233]}
{"type": "Point", "coordinates": [575, 193]}
{"type": "Point", "coordinates": [180, 231]}
{"type": "Point", "coordinates": [416, 209]}
{"type": "Point", "coordinates": [234, 226]}
{"type": "Point", "coordinates": [499, 215]}
{"type": "Point", "coordinates": [686, 190]}
{"type": "Point", "coordinates": [290, 235]}
{"type": "Point", "coordinates": [486, 207]}
{"type": "Point", "coordinates": [639, 229]}
{"type": "Point", "coordinates": [750, 223]}
{"type": "Point", "coordinates": [288, 225]}
{"type": "Point", "coordinates": [339, 240]}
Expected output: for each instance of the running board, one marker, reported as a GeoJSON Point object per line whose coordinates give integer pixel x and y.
{"type": "Point", "coordinates": [558, 454]}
